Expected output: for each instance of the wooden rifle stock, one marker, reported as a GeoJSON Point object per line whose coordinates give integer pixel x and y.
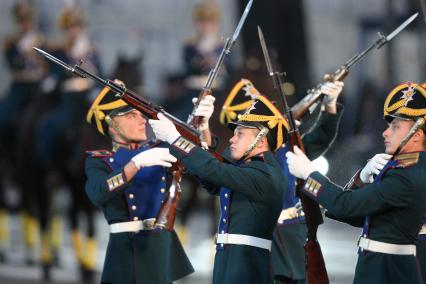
{"type": "Point", "coordinates": [167, 214]}
{"type": "Point", "coordinates": [314, 95]}
{"type": "Point", "coordinates": [316, 272]}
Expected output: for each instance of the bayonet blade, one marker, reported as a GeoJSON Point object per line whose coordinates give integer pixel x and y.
{"type": "Point", "coordinates": [401, 27]}
{"type": "Point", "coordinates": [241, 22]}
{"type": "Point", "coordinates": [265, 51]}
{"type": "Point", "coordinates": [54, 59]}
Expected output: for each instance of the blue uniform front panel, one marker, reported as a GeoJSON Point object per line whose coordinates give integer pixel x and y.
{"type": "Point", "coordinates": [146, 190]}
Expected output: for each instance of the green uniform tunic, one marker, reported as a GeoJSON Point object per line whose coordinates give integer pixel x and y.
{"type": "Point", "coordinates": [145, 257]}
{"type": "Point", "coordinates": [256, 195]}
{"type": "Point", "coordinates": [396, 208]}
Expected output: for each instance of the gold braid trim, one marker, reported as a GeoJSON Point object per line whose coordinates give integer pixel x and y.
{"type": "Point", "coordinates": [228, 112]}
{"type": "Point", "coordinates": [97, 110]}
{"type": "Point", "coordinates": [400, 105]}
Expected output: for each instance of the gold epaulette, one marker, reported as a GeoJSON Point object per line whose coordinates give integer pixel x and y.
{"type": "Point", "coordinates": [99, 153]}
{"type": "Point", "coordinates": [407, 159]}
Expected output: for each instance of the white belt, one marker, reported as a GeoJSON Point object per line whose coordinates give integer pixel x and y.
{"type": "Point", "coordinates": [423, 230]}
{"type": "Point", "coordinates": [132, 226]}
{"type": "Point", "coordinates": [237, 239]}
{"type": "Point", "coordinates": [376, 246]}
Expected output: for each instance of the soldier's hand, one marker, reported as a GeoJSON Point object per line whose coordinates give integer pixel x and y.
{"type": "Point", "coordinates": [298, 164]}
{"type": "Point", "coordinates": [332, 90]}
{"type": "Point", "coordinates": [205, 110]}
{"type": "Point", "coordinates": [154, 157]}
{"type": "Point", "coordinates": [373, 167]}
{"type": "Point", "coordinates": [164, 129]}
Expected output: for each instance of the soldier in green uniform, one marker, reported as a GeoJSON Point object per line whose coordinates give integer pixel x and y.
{"type": "Point", "coordinates": [128, 185]}
{"type": "Point", "coordinates": [288, 253]}
{"type": "Point", "coordinates": [389, 203]}
{"type": "Point", "coordinates": [250, 189]}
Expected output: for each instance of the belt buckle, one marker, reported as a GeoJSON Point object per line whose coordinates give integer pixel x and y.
{"type": "Point", "coordinates": [148, 224]}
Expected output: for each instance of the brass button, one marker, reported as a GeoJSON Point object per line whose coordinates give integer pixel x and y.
{"type": "Point", "coordinates": [133, 207]}
{"type": "Point", "coordinates": [135, 218]}
{"type": "Point", "coordinates": [226, 195]}
{"type": "Point", "coordinates": [131, 196]}
{"type": "Point", "coordinates": [162, 190]}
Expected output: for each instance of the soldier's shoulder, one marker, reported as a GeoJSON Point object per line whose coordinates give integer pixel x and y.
{"type": "Point", "coordinates": [99, 153]}
{"type": "Point", "coordinates": [408, 160]}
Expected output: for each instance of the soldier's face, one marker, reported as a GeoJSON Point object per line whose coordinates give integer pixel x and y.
{"type": "Point", "coordinates": [394, 134]}
{"type": "Point", "coordinates": [242, 139]}
{"type": "Point", "coordinates": [132, 125]}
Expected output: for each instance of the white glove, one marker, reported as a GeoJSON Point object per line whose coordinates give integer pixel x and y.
{"type": "Point", "coordinates": [298, 164]}
{"type": "Point", "coordinates": [332, 91]}
{"type": "Point", "coordinates": [154, 157]}
{"type": "Point", "coordinates": [164, 129]}
{"type": "Point", "coordinates": [373, 167]}
{"type": "Point", "coordinates": [205, 110]}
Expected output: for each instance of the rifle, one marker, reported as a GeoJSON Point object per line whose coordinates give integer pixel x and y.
{"type": "Point", "coordinates": [315, 265]}
{"type": "Point", "coordinates": [342, 72]}
{"type": "Point", "coordinates": [167, 213]}
{"type": "Point", "coordinates": [147, 108]}
{"type": "Point", "coordinates": [168, 209]}
{"type": "Point", "coordinates": [195, 121]}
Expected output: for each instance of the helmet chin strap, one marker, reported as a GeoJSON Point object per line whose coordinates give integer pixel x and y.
{"type": "Point", "coordinates": [416, 126]}
{"type": "Point", "coordinates": [262, 133]}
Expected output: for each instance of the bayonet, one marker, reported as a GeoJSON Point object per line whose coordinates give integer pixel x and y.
{"type": "Point", "coordinates": [401, 27]}
{"type": "Point", "coordinates": [241, 22]}
{"type": "Point", "coordinates": [314, 94]}
{"type": "Point", "coordinates": [229, 43]}
{"type": "Point", "coordinates": [276, 76]}
{"type": "Point", "coordinates": [265, 51]}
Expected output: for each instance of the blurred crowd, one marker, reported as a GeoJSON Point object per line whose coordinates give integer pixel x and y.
{"type": "Point", "coordinates": [44, 134]}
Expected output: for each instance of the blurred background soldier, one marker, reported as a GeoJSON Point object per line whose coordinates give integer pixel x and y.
{"type": "Point", "coordinates": [26, 71]}
{"type": "Point", "coordinates": [200, 54]}
{"type": "Point", "coordinates": [56, 145]}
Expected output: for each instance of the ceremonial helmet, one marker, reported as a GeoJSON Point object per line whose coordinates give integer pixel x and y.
{"type": "Point", "coordinates": [263, 115]}
{"type": "Point", "coordinates": [70, 16]}
{"type": "Point", "coordinates": [22, 11]}
{"type": "Point", "coordinates": [406, 101]}
{"type": "Point", "coordinates": [106, 105]}
{"type": "Point", "coordinates": [208, 10]}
